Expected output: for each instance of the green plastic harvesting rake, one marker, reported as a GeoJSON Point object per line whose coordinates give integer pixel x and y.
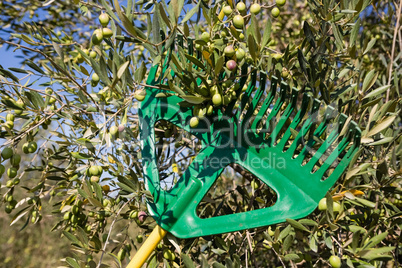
{"type": "Point", "coordinates": [299, 184]}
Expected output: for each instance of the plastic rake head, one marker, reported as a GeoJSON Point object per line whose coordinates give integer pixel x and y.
{"type": "Point", "coordinates": [264, 126]}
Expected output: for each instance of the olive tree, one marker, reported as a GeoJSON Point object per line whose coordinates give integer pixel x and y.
{"type": "Point", "coordinates": [70, 144]}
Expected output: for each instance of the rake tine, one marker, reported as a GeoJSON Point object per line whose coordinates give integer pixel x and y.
{"type": "Point", "coordinates": [242, 81]}
{"type": "Point", "coordinates": [340, 147]}
{"type": "Point", "coordinates": [296, 120]}
{"type": "Point", "coordinates": [180, 40]}
{"type": "Point", "coordinates": [306, 126]}
{"type": "Point", "coordinates": [256, 98]}
{"type": "Point", "coordinates": [343, 164]}
{"type": "Point", "coordinates": [246, 95]}
{"type": "Point", "coordinates": [286, 114]}
{"type": "Point", "coordinates": [328, 115]}
{"type": "Point", "coordinates": [190, 46]}
{"type": "Point", "coordinates": [266, 103]}
{"type": "Point", "coordinates": [326, 145]}
{"type": "Point", "coordinates": [277, 106]}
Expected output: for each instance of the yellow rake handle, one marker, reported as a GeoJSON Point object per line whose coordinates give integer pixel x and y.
{"type": "Point", "coordinates": [146, 249]}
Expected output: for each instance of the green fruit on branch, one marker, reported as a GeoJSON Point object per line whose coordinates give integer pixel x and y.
{"type": "Point", "coordinates": [86, 51]}
{"type": "Point", "coordinates": [255, 8]}
{"type": "Point", "coordinates": [214, 90]}
{"type": "Point", "coordinates": [275, 12]}
{"type": "Point", "coordinates": [240, 54]}
{"type": "Point", "coordinates": [2, 169]}
{"type": "Point", "coordinates": [10, 117]}
{"type": "Point", "coordinates": [229, 51]}
{"type": "Point", "coordinates": [104, 19]}
{"type": "Point", "coordinates": [280, 2]}
{"type": "Point", "coordinates": [217, 99]}
{"type": "Point", "coordinates": [9, 184]}
{"type": "Point", "coordinates": [7, 153]}
{"type": "Point", "coordinates": [67, 216]}
{"type": "Point", "coordinates": [92, 54]}
{"type": "Point", "coordinates": [9, 124]}
{"type": "Point", "coordinates": [210, 110]}
{"type": "Point", "coordinates": [133, 214]}
{"type": "Point", "coordinates": [114, 130]}
{"type": "Point", "coordinates": [205, 36]}
{"type": "Point", "coordinates": [79, 58]}
{"type": "Point", "coordinates": [8, 209]}
{"type": "Point", "coordinates": [95, 78]}
{"type": "Point", "coordinates": [49, 91]}
{"type": "Point", "coordinates": [140, 95]}
{"type": "Point", "coordinates": [322, 205]}
{"type": "Point", "coordinates": [32, 147]}
{"type": "Point", "coordinates": [168, 254]}
{"type": "Point", "coordinates": [277, 56]}
{"type": "Point", "coordinates": [336, 207]}
{"type": "Point", "coordinates": [227, 10]}
{"type": "Point", "coordinates": [15, 160]}
{"type": "Point", "coordinates": [194, 121]}
{"type": "Point", "coordinates": [241, 7]}
{"type": "Point", "coordinates": [284, 73]}
{"type": "Point", "coordinates": [254, 184]}
{"type": "Point", "coordinates": [97, 37]}
{"type": "Point", "coordinates": [107, 33]}
{"type": "Point", "coordinates": [12, 172]}
{"type": "Point", "coordinates": [95, 179]}
{"type": "Point", "coordinates": [238, 21]}
{"type": "Point", "coordinates": [8, 197]}
{"type": "Point", "coordinates": [335, 261]}
{"type": "Point", "coordinates": [139, 238]}
{"type": "Point", "coordinates": [94, 171]}
{"type": "Point", "coordinates": [231, 65]}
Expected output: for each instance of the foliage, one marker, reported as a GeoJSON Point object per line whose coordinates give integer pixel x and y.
{"type": "Point", "coordinates": [75, 98]}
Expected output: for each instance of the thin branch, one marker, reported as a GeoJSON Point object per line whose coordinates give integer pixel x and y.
{"type": "Point", "coordinates": [398, 18]}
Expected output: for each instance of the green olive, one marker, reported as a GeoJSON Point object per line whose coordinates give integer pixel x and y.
{"type": "Point", "coordinates": [107, 33]}
{"type": "Point", "coordinates": [205, 36]}
{"type": "Point", "coordinates": [217, 99]}
{"type": "Point", "coordinates": [104, 19]}
{"type": "Point", "coordinates": [255, 8]}
{"type": "Point", "coordinates": [229, 51]}
{"type": "Point", "coordinates": [227, 10]}
{"type": "Point", "coordinates": [97, 37]}
{"type": "Point", "coordinates": [194, 121]}
{"type": "Point", "coordinates": [275, 12]}
{"type": "Point", "coordinates": [7, 153]}
{"type": "Point", "coordinates": [241, 7]}
{"type": "Point", "coordinates": [335, 261]}
{"type": "Point", "coordinates": [12, 172]}
{"type": "Point", "coordinates": [240, 54]}
{"type": "Point", "coordinates": [238, 21]}
{"type": "Point", "coordinates": [10, 117]}
{"type": "Point", "coordinates": [92, 54]}
{"type": "Point", "coordinates": [280, 2]}
{"type": "Point", "coordinates": [322, 205]}
{"type": "Point", "coordinates": [140, 95]}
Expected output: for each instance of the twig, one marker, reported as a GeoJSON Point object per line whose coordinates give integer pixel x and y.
{"type": "Point", "coordinates": [398, 18]}
{"type": "Point", "coordinates": [110, 231]}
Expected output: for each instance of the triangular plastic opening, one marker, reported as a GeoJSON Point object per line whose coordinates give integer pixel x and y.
{"type": "Point", "coordinates": [236, 190]}
{"type": "Point", "coordinates": [175, 149]}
